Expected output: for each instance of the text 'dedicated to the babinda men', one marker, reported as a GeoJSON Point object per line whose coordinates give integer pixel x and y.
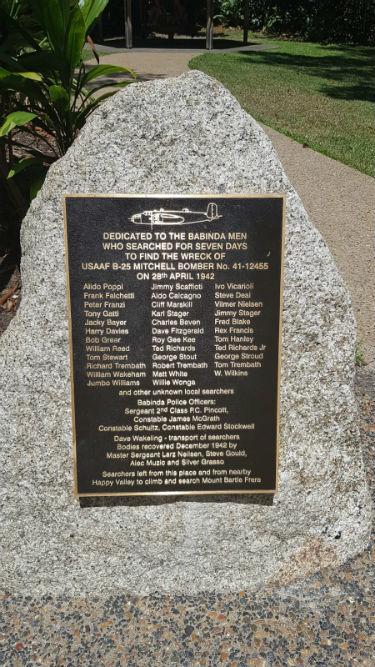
{"type": "Point", "coordinates": [175, 308]}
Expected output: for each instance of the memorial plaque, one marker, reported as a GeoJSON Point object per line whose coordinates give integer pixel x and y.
{"type": "Point", "coordinates": [175, 306]}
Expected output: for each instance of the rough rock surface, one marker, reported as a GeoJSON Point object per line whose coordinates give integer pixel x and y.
{"type": "Point", "coordinates": [183, 135]}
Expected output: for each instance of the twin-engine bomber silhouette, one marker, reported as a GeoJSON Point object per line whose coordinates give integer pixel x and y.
{"type": "Point", "coordinates": [183, 217]}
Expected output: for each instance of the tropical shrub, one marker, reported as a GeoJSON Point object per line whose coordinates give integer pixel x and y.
{"type": "Point", "coordinates": [315, 20]}
{"type": "Point", "coordinates": [52, 84]}
{"type": "Point", "coordinates": [228, 12]}
{"type": "Point", "coordinates": [47, 91]}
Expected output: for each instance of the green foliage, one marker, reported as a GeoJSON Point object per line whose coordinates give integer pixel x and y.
{"type": "Point", "coordinates": [16, 119]}
{"type": "Point", "coordinates": [22, 164]}
{"type": "Point", "coordinates": [47, 92]}
{"type": "Point", "coordinates": [228, 12]}
{"type": "Point", "coordinates": [48, 79]}
{"type": "Point", "coordinates": [91, 10]}
{"type": "Point", "coordinates": [351, 21]}
{"type": "Point", "coordinates": [358, 354]}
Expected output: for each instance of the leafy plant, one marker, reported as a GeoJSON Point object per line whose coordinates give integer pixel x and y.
{"type": "Point", "coordinates": [47, 91]}
{"type": "Point", "coordinates": [359, 354]}
{"type": "Point", "coordinates": [351, 21]}
{"type": "Point", "coordinates": [228, 12]}
{"type": "Point", "coordinates": [54, 87]}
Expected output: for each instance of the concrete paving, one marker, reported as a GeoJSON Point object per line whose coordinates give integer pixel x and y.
{"type": "Point", "coordinates": [150, 64]}
{"type": "Point", "coordinates": [340, 203]}
{"type": "Point", "coordinates": [338, 199]}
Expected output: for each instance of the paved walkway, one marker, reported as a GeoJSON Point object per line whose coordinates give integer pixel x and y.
{"type": "Point", "coordinates": [340, 203]}
{"type": "Point", "coordinates": [151, 64]}
{"type": "Point", "coordinates": [338, 199]}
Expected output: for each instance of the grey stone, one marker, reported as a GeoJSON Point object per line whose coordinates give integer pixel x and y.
{"type": "Point", "coordinates": [183, 135]}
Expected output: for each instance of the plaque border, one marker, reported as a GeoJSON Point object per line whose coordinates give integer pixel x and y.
{"type": "Point", "coordinates": [198, 195]}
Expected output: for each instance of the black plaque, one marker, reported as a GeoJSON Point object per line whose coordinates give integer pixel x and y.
{"type": "Point", "coordinates": [175, 308]}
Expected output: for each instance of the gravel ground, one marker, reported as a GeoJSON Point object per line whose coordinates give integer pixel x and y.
{"type": "Point", "coordinates": [326, 620]}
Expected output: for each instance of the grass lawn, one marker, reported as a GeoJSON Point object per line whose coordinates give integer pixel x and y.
{"type": "Point", "coordinates": [321, 95]}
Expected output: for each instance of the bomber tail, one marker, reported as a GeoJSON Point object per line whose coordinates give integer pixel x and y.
{"type": "Point", "coordinates": [212, 211]}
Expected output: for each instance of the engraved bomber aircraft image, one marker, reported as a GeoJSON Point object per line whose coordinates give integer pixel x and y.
{"type": "Point", "coordinates": [182, 217]}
